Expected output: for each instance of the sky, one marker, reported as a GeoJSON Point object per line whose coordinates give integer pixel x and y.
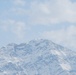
{"type": "Point", "coordinates": [25, 20]}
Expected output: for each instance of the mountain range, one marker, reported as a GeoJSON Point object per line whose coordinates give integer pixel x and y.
{"type": "Point", "coordinates": [37, 57]}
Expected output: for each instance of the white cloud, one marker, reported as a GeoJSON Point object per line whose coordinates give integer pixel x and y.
{"type": "Point", "coordinates": [19, 2]}
{"type": "Point", "coordinates": [46, 12]}
{"type": "Point", "coordinates": [19, 11]}
{"type": "Point", "coordinates": [19, 29]}
{"type": "Point", "coordinates": [52, 12]}
{"type": "Point", "coordinates": [66, 37]}
{"type": "Point", "coordinates": [5, 24]}
{"type": "Point", "coordinates": [16, 27]}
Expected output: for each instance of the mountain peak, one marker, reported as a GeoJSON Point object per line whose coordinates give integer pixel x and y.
{"type": "Point", "coordinates": [38, 57]}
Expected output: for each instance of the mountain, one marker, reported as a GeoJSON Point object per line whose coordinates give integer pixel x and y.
{"type": "Point", "coordinates": [38, 57]}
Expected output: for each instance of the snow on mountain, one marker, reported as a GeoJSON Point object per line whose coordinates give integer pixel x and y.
{"type": "Point", "coordinates": [38, 57]}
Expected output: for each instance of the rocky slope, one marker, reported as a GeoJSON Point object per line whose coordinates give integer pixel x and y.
{"type": "Point", "coordinates": [38, 57]}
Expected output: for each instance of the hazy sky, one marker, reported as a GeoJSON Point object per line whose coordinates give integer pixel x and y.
{"type": "Point", "coordinates": [23, 20]}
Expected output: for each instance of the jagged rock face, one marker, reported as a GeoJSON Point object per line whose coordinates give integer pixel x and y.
{"type": "Point", "coordinates": [38, 57]}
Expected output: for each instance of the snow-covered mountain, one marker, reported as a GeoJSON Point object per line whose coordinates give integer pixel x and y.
{"type": "Point", "coordinates": [38, 57]}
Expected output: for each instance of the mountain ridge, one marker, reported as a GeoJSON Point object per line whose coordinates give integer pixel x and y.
{"type": "Point", "coordinates": [37, 57]}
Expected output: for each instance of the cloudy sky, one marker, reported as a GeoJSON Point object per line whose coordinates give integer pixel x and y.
{"type": "Point", "coordinates": [23, 20]}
